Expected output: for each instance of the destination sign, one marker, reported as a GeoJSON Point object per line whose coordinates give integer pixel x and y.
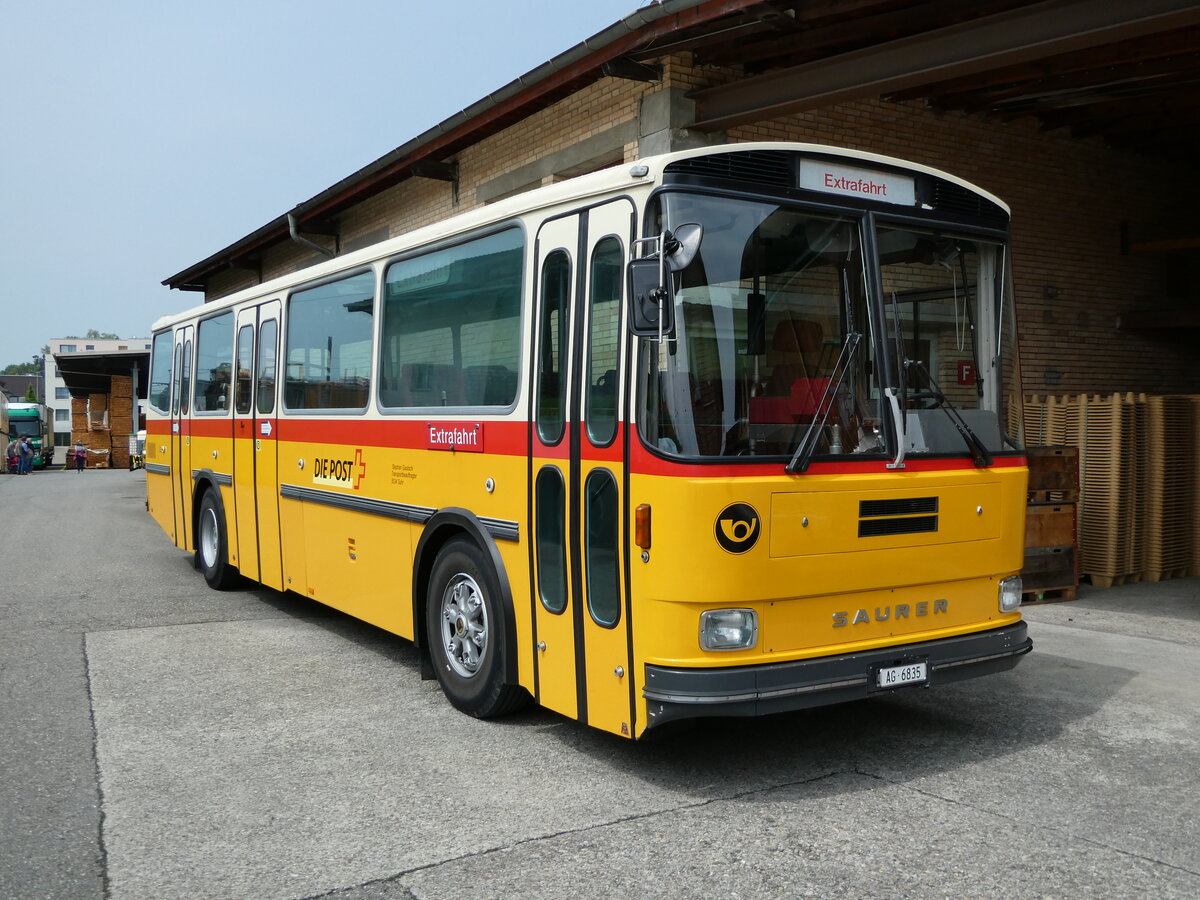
{"type": "Point", "coordinates": [850, 181]}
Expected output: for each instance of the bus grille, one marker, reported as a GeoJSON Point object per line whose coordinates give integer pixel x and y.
{"type": "Point", "coordinates": [907, 515]}
{"type": "Point", "coordinates": [954, 199]}
{"type": "Point", "coordinates": [910, 525]}
{"type": "Point", "coordinates": [909, 506]}
{"type": "Point", "coordinates": [772, 167]}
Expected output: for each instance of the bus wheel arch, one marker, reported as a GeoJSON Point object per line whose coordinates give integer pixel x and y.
{"type": "Point", "coordinates": [460, 588]}
{"type": "Point", "coordinates": [211, 535]}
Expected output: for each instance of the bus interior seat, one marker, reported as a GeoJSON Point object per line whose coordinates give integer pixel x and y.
{"type": "Point", "coordinates": [790, 387]}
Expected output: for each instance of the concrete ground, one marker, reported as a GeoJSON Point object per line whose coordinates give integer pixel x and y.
{"type": "Point", "coordinates": [161, 740]}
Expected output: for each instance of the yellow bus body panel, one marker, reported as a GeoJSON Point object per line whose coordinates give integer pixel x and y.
{"type": "Point", "coordinates": [159, 500]}
{"type": "Point", "coordinates": [803, 580]}
{"type": "Point", "coordinates": [216, 455]}
{"type": "Point", "coordinates": [606, 648]}
{"type": "Point", "coordinates": [361, 563]}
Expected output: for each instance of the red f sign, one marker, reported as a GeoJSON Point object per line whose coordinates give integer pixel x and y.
{"type": "Point", "coordinates": [966, 371]}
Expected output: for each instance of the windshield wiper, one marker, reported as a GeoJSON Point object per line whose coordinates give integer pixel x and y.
{"type": "Point", "coordinates": [808, 444]}
{"type": "Point", "coordinates": [979, 453]}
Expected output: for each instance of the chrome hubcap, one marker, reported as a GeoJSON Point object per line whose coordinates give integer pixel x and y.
{"type": "Point", "coordinates": [208, 537]}
{"type": "Point", "coordinates": [464, 624]}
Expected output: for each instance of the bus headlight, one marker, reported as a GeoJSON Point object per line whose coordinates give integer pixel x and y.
{"type": "Point", "coordinates": [1010, 594]}
{"type": "Point", "coordinates": [728, 629]}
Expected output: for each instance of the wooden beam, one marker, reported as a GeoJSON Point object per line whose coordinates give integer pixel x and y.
{"type": "Point", "coordinates": [1057, 85]}
{"type": "Point", "coordinates": [850, 31]}
{"type": "Point", "coordinates": [1183, 42]}
{"type": "Point", "coordinates": [1020, 36]}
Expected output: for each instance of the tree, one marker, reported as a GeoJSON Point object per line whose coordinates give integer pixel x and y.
{"type": "Point", "coordinates": [30, 396]}
{"type": "Point", "coordinates": [102, 335]}
{"type": "Point", "coordinates": [20, 369]}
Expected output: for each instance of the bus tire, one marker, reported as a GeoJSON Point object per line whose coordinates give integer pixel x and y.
{"type": "Point", "coordinates": [465, 628]}
{"type": "Point", "coordinates": [212, 545]}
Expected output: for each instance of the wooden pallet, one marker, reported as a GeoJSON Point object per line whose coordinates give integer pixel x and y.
{"type": "Point", "coordinates": [1049, 595]}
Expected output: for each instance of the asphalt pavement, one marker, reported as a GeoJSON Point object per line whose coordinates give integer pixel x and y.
{"type": "Point", "coordinates": [162, 740]}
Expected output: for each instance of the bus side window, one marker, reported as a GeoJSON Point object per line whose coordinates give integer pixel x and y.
{"type": "Point", "coordinates": [604, 340]}
{"type": "Point", "coordinates": [451, 331]}
{"type": "Point", "coordinates": [268, 336]}
{"type": "Point", "coordinates": [552, 348]}
{"type": "Point", "coordinates": [243, 397]}
{"type": "Point", "coordinates": [329, 344]}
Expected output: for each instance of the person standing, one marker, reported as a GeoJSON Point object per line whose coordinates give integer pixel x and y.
{"type": "Point", "coordinates": [26, 456]}
{"type": "Point", "coordinates": [80, 457]}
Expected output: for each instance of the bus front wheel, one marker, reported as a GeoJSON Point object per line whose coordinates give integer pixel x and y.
{"type": "Point", "coordinates": [212, 545]}
{"type": "Point", "coordinates": [465, 627]}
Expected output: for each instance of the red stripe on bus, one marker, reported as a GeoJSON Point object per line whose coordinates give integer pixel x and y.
{"type": "Point", "coordinates": [510, 438]}
{"type": "Point", "coordinates": [642, 462]}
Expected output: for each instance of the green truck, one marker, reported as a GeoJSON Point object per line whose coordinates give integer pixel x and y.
{"type": "Point", "coordinates": [33, 420]}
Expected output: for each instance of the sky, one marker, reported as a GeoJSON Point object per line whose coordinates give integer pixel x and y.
{"type": "Point", "coordinates": [138, 138]}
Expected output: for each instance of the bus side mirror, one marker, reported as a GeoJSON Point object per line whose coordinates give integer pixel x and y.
{"type": "Point", "coordinates": [651, 298]}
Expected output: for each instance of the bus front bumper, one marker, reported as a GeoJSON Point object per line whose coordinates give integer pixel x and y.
{"type": "Point", "coordinates": [673, 694]}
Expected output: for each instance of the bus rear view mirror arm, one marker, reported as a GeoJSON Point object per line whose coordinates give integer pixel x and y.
{"type": "Point", "coordinates": [651, 288]}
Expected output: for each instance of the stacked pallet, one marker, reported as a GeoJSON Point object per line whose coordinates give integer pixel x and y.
{"type": "Point", "coordinates": [120, 419]}
{"type": "Point", "coordinates": [1171, 496]}
{"type": "Point", "coordinates": [103, 423]}
{"type": "Point", "coordinates": [1051, 536]}
{"type": "Point", "coordinates": [1138, 465]}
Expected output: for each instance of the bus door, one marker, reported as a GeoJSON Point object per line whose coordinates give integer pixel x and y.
{"type": "Point", "coordinates": [255, 464]}
{"type": "Point", "coordinates": [181, 451]}
{"type": "Point", "coordinates": [577, 484]}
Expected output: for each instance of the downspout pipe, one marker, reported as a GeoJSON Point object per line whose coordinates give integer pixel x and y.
{"type": "Point", "coordinates": [294, 233]}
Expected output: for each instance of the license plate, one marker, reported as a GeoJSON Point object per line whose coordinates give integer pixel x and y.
{"type": "Point", "coordinates": [909, 673]}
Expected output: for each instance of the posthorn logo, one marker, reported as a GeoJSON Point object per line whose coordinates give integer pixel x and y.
{"type": "Point", "coordinates": [737, 527]}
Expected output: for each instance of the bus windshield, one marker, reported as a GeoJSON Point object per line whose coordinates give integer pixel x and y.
{"type": "Point", "coordinates": [773, 336]}
{"type": "Point", "coordinates": [777, 338]}
{"type": "Point", "coordinates": [953, 333]}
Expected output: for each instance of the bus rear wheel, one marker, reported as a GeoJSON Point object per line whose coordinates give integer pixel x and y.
{"type": "Point", "coordinates": [465, 627]}
{"type": "Point", "coordinates": [212, 545]}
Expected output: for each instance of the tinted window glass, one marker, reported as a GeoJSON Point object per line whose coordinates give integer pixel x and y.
{"type": "Point", "coordinates": [551, 540]}
{"type": "Point", "coordinates": [452, 325]}
{"type": "Point", "coordinates": [245, 369]}
{"type": "Point", "coordinates": [268, 339]}
{"type": "Point", "coordinates": [214, 359]}
{"type": "Point", "coordinates": [329, 345]}
{"type": "Point", "coordinates": [600, 410]}
{"type": "Point", "coordinates": [552, 347]}
{"type": "Point", "coordinates": [601, 519]}
{"type": "Point", "coordinates": [176, 376]}
{"type": "Point", "coordinates": [185, 390]}
{"type": "Point", "coordinates": [160, 373]}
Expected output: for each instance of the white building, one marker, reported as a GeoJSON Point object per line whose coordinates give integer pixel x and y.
{"type": "Point", "coordinates": [57, 396]}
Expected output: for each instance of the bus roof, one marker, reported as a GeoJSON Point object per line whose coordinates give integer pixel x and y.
{"type": "Point", "coordinates": [573, 190]}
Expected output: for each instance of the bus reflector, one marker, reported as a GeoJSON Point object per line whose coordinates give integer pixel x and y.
{"type": "Point", "coordinates": [641, 526]}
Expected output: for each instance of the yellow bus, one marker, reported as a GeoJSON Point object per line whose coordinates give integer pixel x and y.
{"type": "Point", "coordinates": [725, 432]}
